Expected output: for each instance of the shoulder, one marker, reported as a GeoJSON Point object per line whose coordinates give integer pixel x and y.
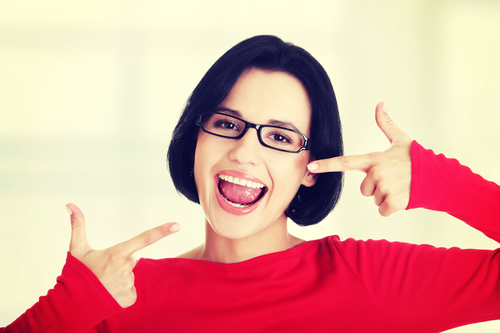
{"type": "Point", "coordinates": [359, 252]}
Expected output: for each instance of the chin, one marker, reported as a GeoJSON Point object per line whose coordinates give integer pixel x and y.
{"type": "Point", "coordinates": [242, 227]}
{"type": "Point", "coordinates": [231, 228]}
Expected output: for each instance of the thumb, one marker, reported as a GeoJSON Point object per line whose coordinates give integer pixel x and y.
{"type": "Point", "coordinates": [395, 135]}
{"type": "Point", "coordinates": [78, 245]}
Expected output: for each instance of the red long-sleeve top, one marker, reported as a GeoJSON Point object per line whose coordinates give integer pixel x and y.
{"type": "Point", "coordinates": [319, 286]}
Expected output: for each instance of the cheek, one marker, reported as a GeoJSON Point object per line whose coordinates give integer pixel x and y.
{"type": "Point", "coordinates": [202, 152]}
{"type": "Point", "coordinates": [201, 161]}
{"type": "Point", "coordinates": [206, 156]}
{"type": "Point", "coordinates": [290, 172]}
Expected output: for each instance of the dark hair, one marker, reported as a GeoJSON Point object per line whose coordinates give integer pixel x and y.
{"type": "Point", "coordinates": [311, 204]}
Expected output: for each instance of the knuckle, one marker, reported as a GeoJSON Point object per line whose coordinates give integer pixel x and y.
{"type": "Point", "coordinates": [130, 281]}
{"type": "Point", "coordinates": [376, 173]}
{"type": "Point", "coordinates": [386, 121]}
{"type": "Point", "coordinates": [126, 268]}
{"type": "Point", "coordinates": [129, 300]}
{"type": "Point", "coordinates": [115, 256]}
{"type": "Point", "coordinates": [146, 238]}
{"type": "Point", "coordinates": [344, 160]}
{"type": "Point", "coordinates": [164, 230]}
{"type": "Point", "coordinates": [133, 299]}
{"type": "Point", "coordinates": [75, 223]}
{"type": "Point", "coordinates": [376, 156]}
{"type": "Point", "coordinates": [383, 188]}
{"type": "Point", "coordinates": [131, 263]}
{"type": "Point", "coordinates": [389, 203]}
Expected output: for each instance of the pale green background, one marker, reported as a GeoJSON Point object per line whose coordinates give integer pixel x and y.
{"type": "Point", "coordinates": [90, 92]}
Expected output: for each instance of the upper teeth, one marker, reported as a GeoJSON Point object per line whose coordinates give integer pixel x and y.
{"type": "Point", "coordinates": [242, 182]}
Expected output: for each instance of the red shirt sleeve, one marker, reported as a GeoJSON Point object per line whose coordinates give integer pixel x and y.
{"type": "Point", "coordinates": [421, 288]}
{"type": "Point", "coordinates": [443, 184]}
{"type": "Point", "coordinates": [76, 304]}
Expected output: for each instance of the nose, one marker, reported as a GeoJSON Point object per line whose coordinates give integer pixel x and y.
{"type": "Point", "coordinates": [247, 149]}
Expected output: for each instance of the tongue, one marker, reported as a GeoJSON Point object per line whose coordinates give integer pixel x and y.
{"type": "Point", "coordinates": [239, 194]}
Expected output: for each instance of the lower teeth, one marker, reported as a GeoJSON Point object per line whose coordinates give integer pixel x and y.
{"type": "Point", "coordinates": [237, 205]}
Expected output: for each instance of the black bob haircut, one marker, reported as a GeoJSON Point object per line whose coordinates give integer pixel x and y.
{"type": "Point", "coordinates": [311, 204]}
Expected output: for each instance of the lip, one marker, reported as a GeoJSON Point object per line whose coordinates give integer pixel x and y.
{"type": "Point", "coordinates": [226, 206]}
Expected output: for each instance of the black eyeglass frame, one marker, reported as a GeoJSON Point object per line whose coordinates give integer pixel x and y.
{"type": "Point", "coordinates": [305, 146]}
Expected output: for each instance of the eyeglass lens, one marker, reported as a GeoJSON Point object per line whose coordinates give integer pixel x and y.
{"type": "Point", "coordinates": [231, 127]}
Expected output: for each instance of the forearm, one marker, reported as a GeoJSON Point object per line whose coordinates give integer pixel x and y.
{"type": "Point", "coordinates": [443, 184]}
{"type": "Point", "coordinates": [76, 304]}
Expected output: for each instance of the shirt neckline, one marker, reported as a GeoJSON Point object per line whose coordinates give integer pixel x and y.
{"type": "Point", "coordinates": [253, 262]}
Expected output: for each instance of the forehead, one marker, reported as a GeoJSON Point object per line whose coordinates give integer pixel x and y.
{"type": "Point", "coordinates": [263, 96]}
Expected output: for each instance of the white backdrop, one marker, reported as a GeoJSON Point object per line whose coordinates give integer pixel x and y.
{"type": "Point", "coordinates": [90, 93]}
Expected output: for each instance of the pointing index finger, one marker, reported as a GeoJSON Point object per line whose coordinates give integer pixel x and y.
{"type": "Point", "coordinates": [342, 163]}
{"type": "Point", "coordinates": [128, 248]}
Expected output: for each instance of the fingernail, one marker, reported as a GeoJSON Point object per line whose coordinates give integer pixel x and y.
{"type": "Point", "coordinates": [174, 227]}
{"type": "Point", "coordinates": [69, 210]}
{"type": "Point", "coordinates": [383, 108]}
{"type": "Point", "coordinates": [313, 166]}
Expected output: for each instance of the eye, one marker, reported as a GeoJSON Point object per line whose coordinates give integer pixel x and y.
{"type": "Point", "coordinates": [226, 124]}
{"type": "Point", "coordinates": [280, 138]}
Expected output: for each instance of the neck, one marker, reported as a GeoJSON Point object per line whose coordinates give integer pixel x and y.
{"type": "Point", "coordinates": [224, 250]}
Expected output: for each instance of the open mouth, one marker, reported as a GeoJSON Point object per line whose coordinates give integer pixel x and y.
{"type": "Point", "coordinates": [240, 193]}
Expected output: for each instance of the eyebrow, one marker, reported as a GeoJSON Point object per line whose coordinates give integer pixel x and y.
{"type": "Point", "coordinates": [272, 122]}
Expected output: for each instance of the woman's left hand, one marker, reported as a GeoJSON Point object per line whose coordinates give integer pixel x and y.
{"type": "Point", "coordinates": [388, 173]}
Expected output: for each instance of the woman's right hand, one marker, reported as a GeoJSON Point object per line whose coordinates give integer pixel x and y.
{"type": "Point", "coordinates": [113, 266]}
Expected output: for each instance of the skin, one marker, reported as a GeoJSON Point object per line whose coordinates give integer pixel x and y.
{"type": "Point", "coordinates": [231, 238]}
{"type": "Point", "coordinates": [388, 173]}
{"type": "Point", "coordinates": [259, 97]}
{"type": "Point", "coordinates": [113, 266]}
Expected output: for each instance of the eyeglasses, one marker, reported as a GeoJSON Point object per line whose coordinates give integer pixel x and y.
{"type": "Point", "coordinates": [275, 137]}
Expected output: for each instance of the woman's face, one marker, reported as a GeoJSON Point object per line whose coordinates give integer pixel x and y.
{"type": "Point", "coordinates": [238, 211]}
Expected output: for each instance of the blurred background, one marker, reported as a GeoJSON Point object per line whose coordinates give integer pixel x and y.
{"type": "Point", "coordinates": [90, 92]}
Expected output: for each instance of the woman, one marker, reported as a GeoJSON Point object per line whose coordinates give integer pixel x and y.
{"type": "Point", "coordinates": [260, 141]}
